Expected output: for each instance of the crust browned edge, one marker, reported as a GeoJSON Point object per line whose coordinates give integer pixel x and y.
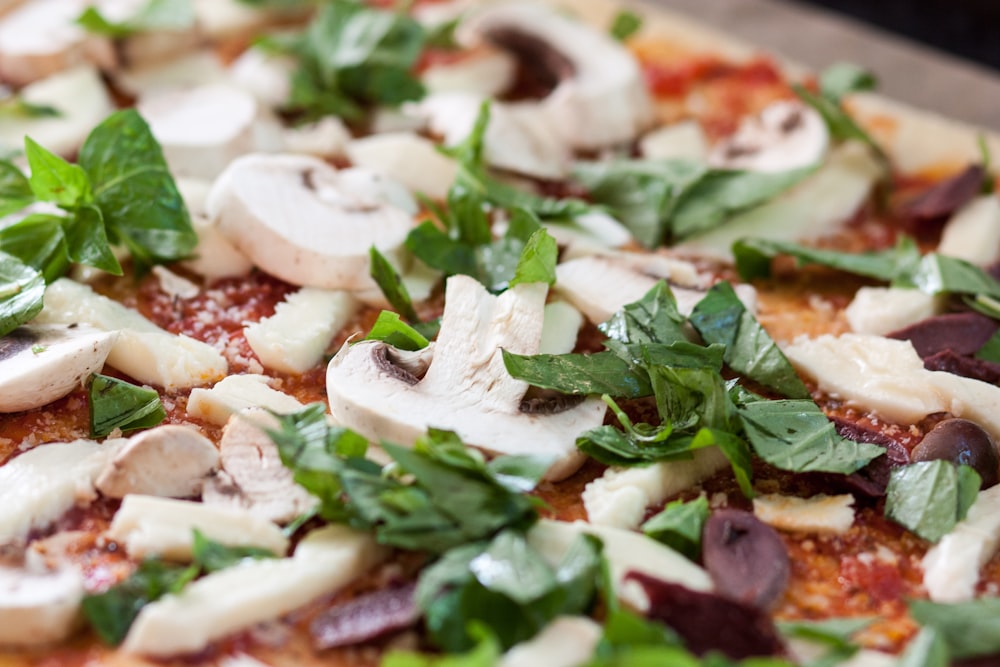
{"type": "Point", "coordinates": [916, 139]}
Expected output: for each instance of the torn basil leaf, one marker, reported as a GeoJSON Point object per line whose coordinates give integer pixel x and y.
{"type": "Point", "coordinates": [753, 258]}
{"type": "Point", "coordinates": [15, 190]}
{"type": "Point", "coordinates": [162, 15]}
{"type": "Point", "coordinates": [389, 329]}
{"type": "Point", "coordinates": [212, 556]}
{"type": "Point", "coordinates": [116, 404]}
{"type": "Point", "coordinates": [625, 24]}
{"type": "Point", "coordinates": [485, 653]}
{"type": "Point", "coordinates": [15, 106]}
{"type": "Point", "coordinates": [39, 241]}
{"type": "Point", "coordinates": [654, 318]}
{"type": "Point", "coordinates": [22, 292]}
{"type": "Point", "coordinates": [721, 318]}
{"type": "Point", "coordinates": [537, 262]}
{"type": "Point", "coordinates": [391, 284]}
{"type": "Point", "coordinates": [969, 629]}
{"type": "Point", "coordinates": [927, 649]}
{"type": "Point", "coordinates": [843, 78]}
{"type": "Point", "coordinates": [580, 374]}
{"type": "Point", "coordinates": [55, 180]}
{"type": "Point", "coordinates": [678, 525]}
{"type": "Point", "coordinates": [930, 497]}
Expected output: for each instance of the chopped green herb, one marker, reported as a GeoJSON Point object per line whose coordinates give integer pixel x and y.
{"type": "Point", "coordinates": [625, 24]}
{"type": "Point", "coordinates": [388, 328]}
{"type": "Point", "coordinates": [15, 106]}
{"type": "Point", "coordinates": [581, 374]}
{"type": "Point", "coordinates": [930, 497]}
{"type": "Point", "coordinates": [485, 653]}
{"type": "Point", "coordinates": [22, 290]}
{"type": "Point", "coordinates": [15, 189]}
{"type": "Point", "coordinates": [38, 349]}
{"type": "Point", "coordinates": [969, 629]}
{"type": "Point", "coordinates": [55, 180]}
{"type": "Point", "coordinates": [212, 556]}
{"type": "Point", "coordinates": [537, 263]}
{"type": "Point", "coordinates": [652, 319]}
{"type": "Point", "coordinates": [38, 240]}
{"type": "Point", "coordinates": [990, 351]}
{"type": "Point", "coordinates": [162, 15]}
{"type": "Point", "coordinates": [842, 79]}
{"type": "Point", "coordinates": [989, 181]}
{"type": "Point", "coordinates": [116, 404]}
{"type": "Point", "coordinates": [753, 259]}
{"type": "Point", "coordinates": [679, 526]}
{"type": "Point", "coordinates": [927, 649]}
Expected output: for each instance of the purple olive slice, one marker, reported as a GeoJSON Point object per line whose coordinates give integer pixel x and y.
{"type": "Point", "coordinates": [745, 558]}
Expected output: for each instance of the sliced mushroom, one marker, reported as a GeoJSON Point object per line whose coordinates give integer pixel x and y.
{"type": "Point", "coordinates": [264, 75]}
{"type": "Point", "coordinates": [215, 256]}
{"type": "Point", "coordinates": [326, 137]}
{"type": "Point", "coordinates": [307, 223]}
{"type": "Point", "coordinates": [195, 69]}
{"type": "Point", "coordinates": [466, 387]}
{"type": "Point", "coordinates": [253, 477]}
{"type": "Point", "coordinates": [203, 129]}
{"type": "Point", "coordinates": [42, 363]}
{"type": "Point", "coordinates": [41, 38]}
{"type": "Point", "coordinates": [169, 460]}
{"type": "Point", "coordinates": [600, 96]}
{"type": "Point", "coordinates": [484, 71]}
{"type": "Point", "coordinates": [786, 135]}
{"type": "Point", "coordinates": [38, 607]}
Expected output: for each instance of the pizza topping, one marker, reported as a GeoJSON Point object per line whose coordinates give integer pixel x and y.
{"type": "Point", "coordinates": [565, 642]}
{"type": "Point", "coordinates": [42, 363]}
{"type": "Point", "coordinates": [961, 442]}
{"type": "Point", "coordinates": [307, 223]}
{"type": "Point", "coordinates": [235, 393]}
{"type": "Point", "coordinates": [116, 404]}
{"type": "Point", "coordinates": [969, 629]}
{"type": "Point", "coordinates": [882, 310]}
{"type": "Point", "coordinates": [962, 333]}
{"type": "Point", "coordinates": [745, 558]}
{"type": "Point", "coordinates": [786, 135]}
{"type": "Point", "coordinates": [930, 497]}
{"type": "Point", "coordinates": [681, 141]}
{"type": "Point", "coordinates": [680, 526]}
{"type": "Point", "coordinates": [820, 513]}
{"type": "Point", "coordinates": [973, 232]}
{"type": "Point", "coordinates": [408, 158]}
{"type": "Point", "coordinates": [169, 460]}
{"type": "Point", "coordinates": [945, 197]}
{"type": "Point", "coordinates": [367, 617]}
{"type": "Point", "coordinates": [38, 607]}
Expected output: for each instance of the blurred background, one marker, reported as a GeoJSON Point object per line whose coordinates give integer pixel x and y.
{"type": "Point", "coordinates": [942, 55]}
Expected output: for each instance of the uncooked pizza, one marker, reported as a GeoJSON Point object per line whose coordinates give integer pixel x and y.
{"type": "Point", "coordinates": [472, 334]}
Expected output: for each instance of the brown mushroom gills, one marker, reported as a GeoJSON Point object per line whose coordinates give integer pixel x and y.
{"type": "Point", "coordinates": [964, 442]}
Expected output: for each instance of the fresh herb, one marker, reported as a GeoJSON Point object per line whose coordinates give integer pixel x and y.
{"type": "Point", "coordinates": [442, 35]}
{"type": "Point", "coordinates": [969, 629]}
{"type": "Point", "coordinates": [15, 189]}
{"type": "Point", "coordinates": [842, 79]}
{"type": "Point", "coordinates": [986, 160]}
{"type": "Point", "coordinates": [679, 526]}
{"type": "Point", "coordinates": [722, 318]}
{"type": "Point", "coordinates": [507, 586]}
{"type": "Point", "coordinates": [388, 328]}
{"type": "Point", "coordinates": [438, 495]}
{"type": "Point", "coordinates": [391, 284]}
{"type": "Point", "coordinates": [159, 15]}
{"type": "Point", "coordinates": [580, 374]}
{"type": "Point", "coordinates": [927, 649]}
{"type": "Point", "coordinates": [990, 351]}
{"type": "Point", "coordinates": [37, 349]}
{"type": "Point", "coordinates": [116, 404]}
{"type": "Point", "coordinates": [22, 293]}
{"type": "Point", "coordinates": [486, 653]}
{"type": "Point", "coordinates": [835, 635]}
{"type": "Point", "coordinates": [111, 613]}
{"type": "Point", "coordinates": [634, 444]}
{"type": "Point", "coordinates": [15, 106]}
{"type": "Point", "coordinates": [212, 556]}
{"type": "Point", "coordinates": [537, 262]}
{"type": "Point", "coordinates": [350, 58]}
{"type": "Point", "coordinates": [665, 201]}
{"type": "Point", "coordinates": [654, 318]}
{"type": "Point", "coordinates": [930, 497]}
{"type": "Point", "coordinates": [625, 24]}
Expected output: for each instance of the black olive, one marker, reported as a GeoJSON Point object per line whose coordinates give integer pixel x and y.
{"type": "Point", "coordinates": [961, 441]}
{"type": "Point", "coordinates": [745, 558]}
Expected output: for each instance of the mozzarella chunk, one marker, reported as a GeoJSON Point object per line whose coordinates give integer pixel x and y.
{"type": "Point", "coordinates": [680, 141]}
{"type": "Point", "coordinates": [294, 339]}
{"type": "Point", "coordinates": [620, 496]}
{"type": "Point", "coordinates": [163, 527]}
{"type": "Point", "coordinates": [173, 285]}
{"type": "Point", "coordinates": [567, 641]}
{"type": "Point", "coordinates": [189, 71]}
{"type": "Point", "coordinates": [326, 137]}
{"type": "Point", "coordinates": [143, 350]}
{"type": "Point", "coordinates": [818, 514]}
{"type": "Point", "coordinates": [484, 71]}
{"type": "Point", "coordinates": [253, 591]}
{"type": "Point", "coordinates": [169, 460]}
{"type": "Point", "coordinates": [886, 376]}
{"type": "Point", "coordinates": [203, 129]}
{"type": "Point", "coordinates": [235, 393]}
{"type": "Point", "coordinates": [626, 551]}
{"type": "Point", "coordinates": [880, 310]}
{"type": "Point", "coordinates": [408, 158]}
{"type": "Point", "coordinates": [39, 486]}
{"type": "Point", "coordinates": [973, 232]}
{"type": "Point", "coordinates": [951, 567]}
{"type": "Point", "coordinates": [43, 362]}
{"type": "Point", "coordinates": [264, 75]}
{"type": "Point", "coordinates": [559, 328]}
{"type": "Point", "coordinates": [38, 608]}
{"type": "Point", "coordinates": [82, 102]}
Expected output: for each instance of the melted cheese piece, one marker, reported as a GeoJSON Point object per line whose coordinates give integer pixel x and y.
{"type": "Point", "coordinates": [819, 514]}
{"type": "Point", "coordinates": [880, 310]}
{"type": "Point", "coordinates": [238, 392]}
{"type": "Point", "coordinates": [973, 233]}
{"type": "Point", "coordinates": [567, 641]}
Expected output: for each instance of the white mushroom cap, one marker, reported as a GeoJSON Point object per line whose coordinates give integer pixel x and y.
{"type": "Point", "coordinates": [601, 98]}
{"type": "Point", "coordinates": [787, 135]}
{"type": "Point", "coordinates": [42, 363]}
{"type": "Point", "coordinates": [301, 220]}
{"type": "Point", "coordinates": [38, 608]}
{"type": "Point", "coordinates": [466, 387]}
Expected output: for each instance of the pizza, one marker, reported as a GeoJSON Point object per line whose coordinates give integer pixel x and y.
{"type": "Point", "coordinates": [467, 333]}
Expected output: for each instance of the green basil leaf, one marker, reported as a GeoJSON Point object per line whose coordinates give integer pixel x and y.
{"type": "Point", "coordinates": [990, 351]}
{"type": "Point", "coordinates": [580, 374]}
{"type": "Point", "coordinates": [211, 556]}
{"type": "Point", "coordinates": [939, 274]}
{"type": "Point", "coordinates": [439, 251]}
{"type": "Point", "coordinates": [691, 397]}
{"type": "Point", "coordinates": [679, 525]}
{"type": "Point", "coordinates": [834, 632]}
{"type": "Point", "coordinates": [722, 318]}
{"type": "Point", "coordinates": [40, 242]}
{"type": "Point", "coordinates": [392, 330]}
{"type": "Point", "coordinates": [15, 190]}
{"type": "Point", "coordinates": [927, 649]}
{"type": "Point", "coordinates": [87, 240]}
{"type": "Point", "coordinates": [625, 24]}
{"type": "Point", "coordinates": [537, 263]}
{"type": "Point", "coordinates": [15, 106]}
{"type": "Point", "coordinates": [111, 613]}
{"type": "Point", "coordinates": [486, 653]}
{"type": "Point", "coordinates": [22, 291]}
{"type": "Point", "coordinates": [391, 284]}
{"type": "Point", "coordinates": [841, 79]}
{"type": "Point", "coordinates": [135, 191]}
{"type": "Point", "coordinates": [652, 319]}
{"type": "Point", "coordinates": [795, 435]}
{"type": "Point", "coordinates": [736, 451]}
{"type": "Point", "coordinates": [753, 259]}
{"type": "Point", "coordinates": [839, 123]}
{"type": "Point", "coordinates": [508, 197]}
{"type": "Point", "coordinates": [969, 629]}
{"type": "Point", "coordinates": [55, 180]}
{"type": "Point", "coordinates": [160, 15]}
{"type": "Point", "coordinates": [117, 404]}
{"type": "Point", "coordinates": [930, 497]}
{"type": "Point", "coordinates": [613, 447]}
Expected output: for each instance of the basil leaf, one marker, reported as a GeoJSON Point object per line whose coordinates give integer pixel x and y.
{"type": "Point", "coordinates": [15, 190]}
{"type": "Point", "coordinates": [736, 451]}
{"type": "Point", "coordinates": [437, 250]}
{"type": "Point", "coordinates": [537, 263]}
{"type": "Point", "coordinates": [87, 240]}
{"type": "Point", "coordinates": [927, 649]}
{"type": "Point", "coordinates": [53, 179]}
{"type": "Point", "coordinates": [835, 632]}
{"type": "Point", "coordinates": [753, 258]}
{"type": "Point", "coordinates": [392, 330]}
{"type": "Point", "coordinates": [15, 106]}
{"type": "Point", "coordinates": [486, 653]}
{"type": "Point", "coordinates": [211, 556]}
{"type": "Point", "coordinates": [691, 397]}
{"type": "Point", "coordinates": [135, 191]}
{"type": "Point", "coordinates": [795, 435]}
{"type": "Point", "coordinates": [839, 123]}
{"type": "Point", "coordinates": [720, 317]}
{"type": "Point", "coordinates": [938, 274]}
{"type": "Point", "coordinates": [117, 404]}
{"type": "Point", "coordinates": [841, 79]}
{"type": "Point", "coordinates": [679, 525]}
{"type": "Point", "coordinates": [22, 291]}
{"type": "Point", "coordinates": [652, 319]}
{"type": "Point", "coordinates": [111, 613]}
{"type": "Point", "coordinates": [39, 241]}
{"type": "Point", "coordinates": [580, 374]}
{"type": "Point", "coordinates": [625, 24]}
{"type": "Point", "coordinates": [969, 629]}
{"type": "Point", "coordinates": [930, 497]}
{"type": "Point", "coordinates": [990, 351]}
{"type": "Point", "coordinates": [639, 444]}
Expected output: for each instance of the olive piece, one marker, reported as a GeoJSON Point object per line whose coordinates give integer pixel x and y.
{"type": "Point", "coordinates": [961, 441]}
{"type": "Point", "coordinates": [745, 558]}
